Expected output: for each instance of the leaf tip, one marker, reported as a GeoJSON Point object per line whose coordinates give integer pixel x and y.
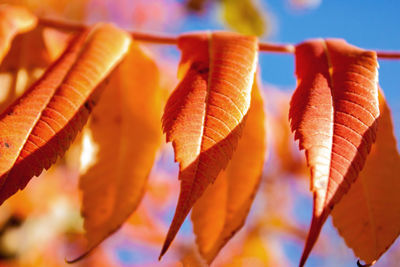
{"type": "Point", "coordinates": [164, 249]}
{"type": "Point", "coordinates": [80, 257]}
{"type": "Point", "coordinates": [359, 264]}
{"type": "Point", "coordinates": [315, 229]}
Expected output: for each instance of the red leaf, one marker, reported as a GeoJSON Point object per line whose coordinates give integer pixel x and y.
{"type": "Point", "coordinates": [204, 115]}
{"type": "Point", "coordinates": [333, 113]}
{"type": "Point", "coordinates": [41, 124]}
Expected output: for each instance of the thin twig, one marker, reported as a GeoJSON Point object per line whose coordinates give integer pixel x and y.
{"type": "Point", "coordinates": [173, 40]}
{"type": "Point", "coordinates": [277, 48]}
{"type": "Point", "coordinates": [61, 25]}
{"type": "Point", "coordinates": [388, 55]}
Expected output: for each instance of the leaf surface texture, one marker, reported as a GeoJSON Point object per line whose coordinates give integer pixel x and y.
{"type": "Point", "coordinates": [333, 114]}
{"type": "Point", "coordinates": [41, 124]}
{"type": "Point", "coordinates": [368, 216]}
{"type": "Point", "coordinates": [227, 202]}
{"type": "Point", "coordinates": [204, 116]}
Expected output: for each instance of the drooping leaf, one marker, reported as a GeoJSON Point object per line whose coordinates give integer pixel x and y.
{"type": "Point", "coordinates": [40, 125]}
{"type": "Point", "coordinates": [13, 20]}
{"type": "Point", "coordinates": [244, 17]}
{"type": "Point", "coordinates": [333, 113]}
{"type": "Point", "coordinates": [227, 202]}
{"type": "Point", "coordinates": [368, 216]}
{"type": "Point", "coordinates": [205, 114]}
{"type": "Point", "coordinates": [126, 127]}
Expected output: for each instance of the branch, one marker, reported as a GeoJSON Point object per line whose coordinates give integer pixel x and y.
{"type": "Point", "coordinates": [173, 40]}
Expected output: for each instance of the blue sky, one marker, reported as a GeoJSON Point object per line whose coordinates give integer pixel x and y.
{"type": "Point", "coordinates": [368, 24]}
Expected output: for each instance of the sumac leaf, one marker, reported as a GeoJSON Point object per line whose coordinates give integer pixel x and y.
{"type": "Point", "coordinates": [42, 123]}
{"type": "Point", "coordinates": [227, 202]}
{"type": "Point", "coordinates": [205, 114]}
{"type": "Point", "coordinates": [126, 128]}
{"type": "Point", "coordinates": [333, 113]}
{"type": "Point", "coordinates": [368, 216]}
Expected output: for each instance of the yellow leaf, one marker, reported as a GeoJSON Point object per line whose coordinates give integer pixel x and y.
{"type": "Point", "coordinates": [244, 17]}
{"type": "Point", "coordinates": [126, 127]}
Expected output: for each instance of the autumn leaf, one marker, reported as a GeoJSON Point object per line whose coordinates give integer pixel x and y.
{"type": "Point", "coordinates": [244, 17]}
{"type": "Point", "coordinates": [126, 127]}
{"type": "Point", "coordinates": [204, 116]}
{"type": "Point", "coordinates": [227, 202]}
{"type": "Point", "coordinates": [13, 20]}
{"type": "Point", "coordinates": [333, 113]}
{"type": "Point", "coordinates": [368, 215]}
{"type": "Point", "coordinates": [41, 124]}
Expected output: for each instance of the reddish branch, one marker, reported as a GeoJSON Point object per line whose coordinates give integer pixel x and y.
{"type": "Point", "coordinates": [172, 40]}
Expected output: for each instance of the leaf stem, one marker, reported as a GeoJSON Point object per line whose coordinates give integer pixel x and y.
{"type": "Point", "coordinates": [173, 40]}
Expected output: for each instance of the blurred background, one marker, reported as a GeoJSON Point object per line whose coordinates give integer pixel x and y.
{"type": "Point", "coordinates": [42, 225]}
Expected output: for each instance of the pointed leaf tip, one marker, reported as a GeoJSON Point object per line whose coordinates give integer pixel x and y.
{"type": "Point", "coordinates": [333, 114]}
{"type": "Point", "coordinates": [205, 114]}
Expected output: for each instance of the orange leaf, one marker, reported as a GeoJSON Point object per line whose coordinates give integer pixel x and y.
{"type": "Point", "coordinates": [204, 116]}
{"type": "Point", "coordinates": [333, 113]}
{"type": "Point", "coordinates": [126, 126]}
{"type": "Point", "coordinates": [20, 67]}
{"type": "Point", "coordinates": [13, 20]}
{"type": "Point", "coordinates": [40, 125]}
{"type": "Point", "coordinates": [368, 215]}
{"type": "Point", "coordinates": [227, 202]}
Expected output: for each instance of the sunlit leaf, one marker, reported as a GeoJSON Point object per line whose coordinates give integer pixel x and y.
{"type": "Point", "coordinates": [126, 128]}
{"type": "Point", "coordinates": [333, 113]}
{"type": "Point", "coordinates": [227, 202]}
{"type": "Point", "coordinates": [205, 114]}
{"type": "Point", "coordinates": [41, 124]}
{"type": "Point", "coordinates": [368, 216]}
